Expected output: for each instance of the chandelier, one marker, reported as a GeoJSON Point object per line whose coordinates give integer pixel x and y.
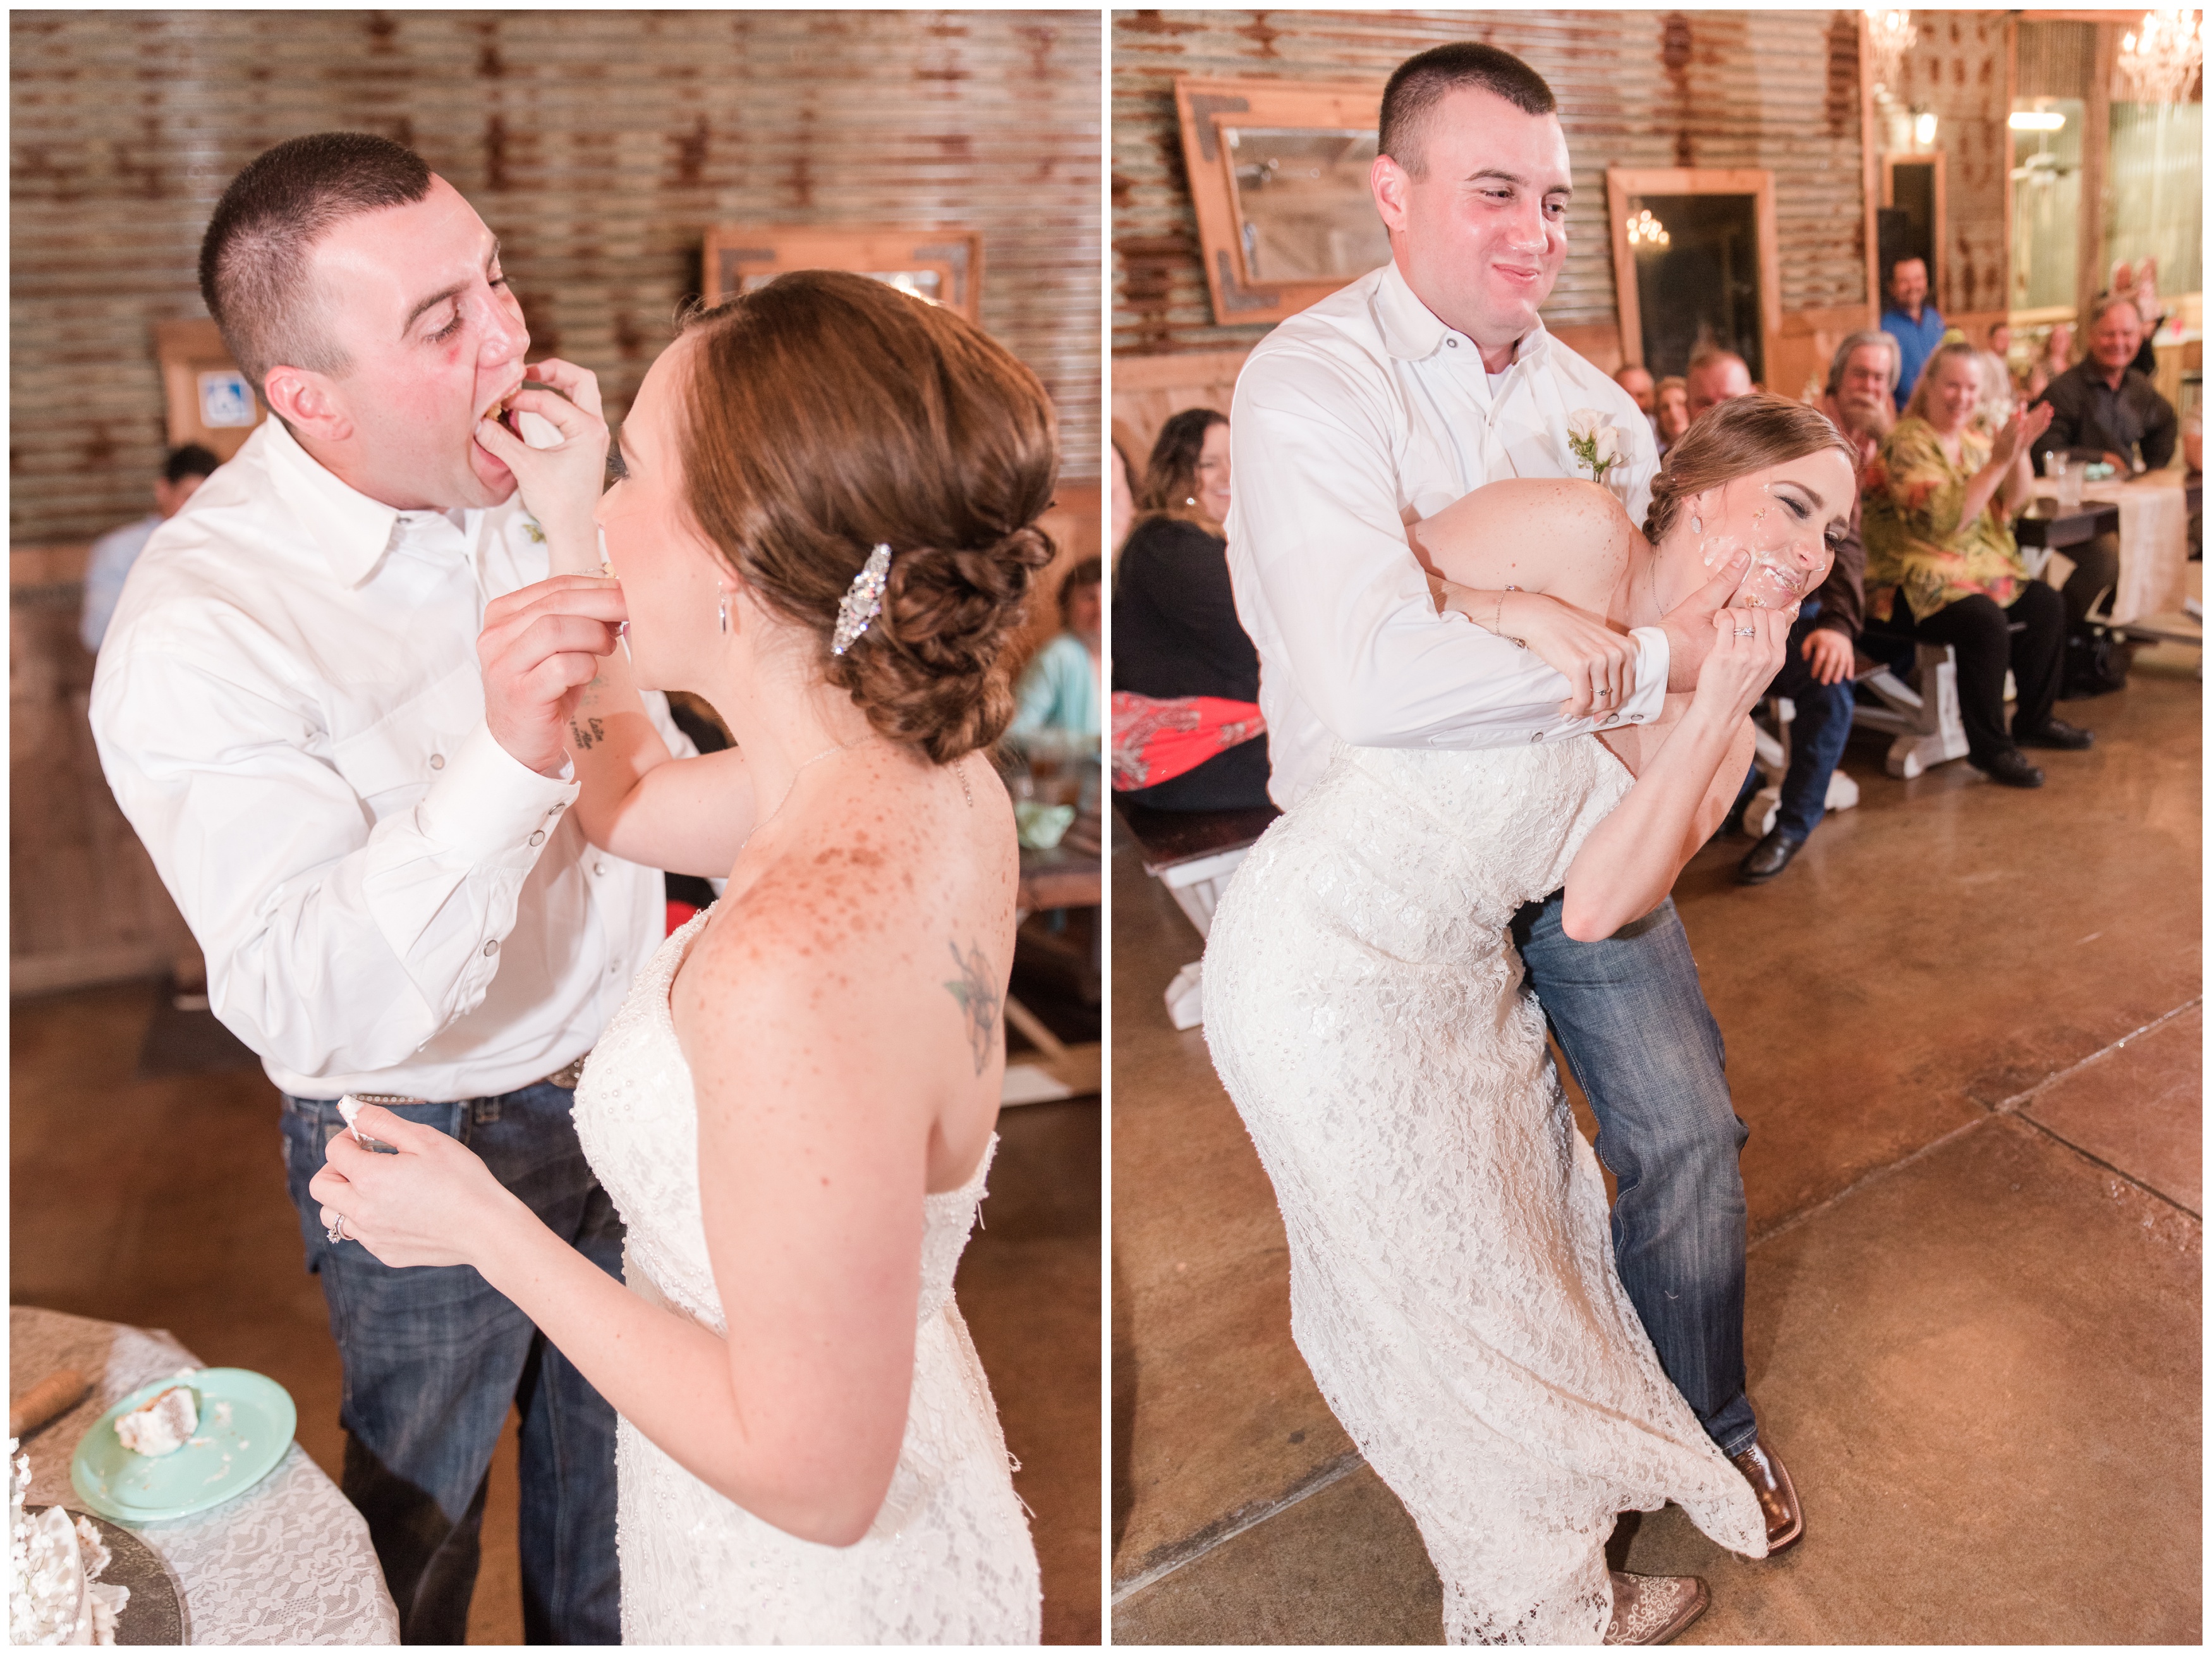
{"type": "Point", "coordinates": [2159, 56]}
{"type": "Point", "coordinates": [1890, 36]}
{"type": "Point", "coordinates": [1646, 232]}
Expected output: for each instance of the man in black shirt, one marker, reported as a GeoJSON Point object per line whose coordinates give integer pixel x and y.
{"type": "Point", "coordinates": [2103, 405]}
{"type": "Point", "coordinates": [2103, 408]}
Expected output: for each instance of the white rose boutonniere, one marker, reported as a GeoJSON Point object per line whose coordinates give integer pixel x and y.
{"type": "Point", "coordinates": [1595, 442]}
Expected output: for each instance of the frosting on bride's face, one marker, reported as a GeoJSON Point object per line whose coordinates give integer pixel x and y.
{"type": "Point", "coordinates": [671, 580]}
{"type": "Point", "coordinates": [1788, 516]}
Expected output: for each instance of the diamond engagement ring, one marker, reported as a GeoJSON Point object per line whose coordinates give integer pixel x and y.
{"type": "Point", "coordinates": [336, 1229]}
{"type": "Point", "coordinates": [1747, 631]}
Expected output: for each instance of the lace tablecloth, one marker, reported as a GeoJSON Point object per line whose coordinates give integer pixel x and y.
{"type": "Point", "coordinates": [2154, 546]}
{"type": "Point", "coordinates": [287, 1562]}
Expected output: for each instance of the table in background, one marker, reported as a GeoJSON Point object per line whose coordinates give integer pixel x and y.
{"type": "Point", "coordinates": [1070, 875]}
{"type": "Point", "coordinates": [2150, 514]}
{"type": "Point", "coordinates": [287, 1562]}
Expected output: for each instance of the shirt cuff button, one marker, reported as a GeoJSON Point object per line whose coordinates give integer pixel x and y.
{"type": "Point", "coordinates": [538, 837]}
{"type": "Point", "coordinates": [491, 947]}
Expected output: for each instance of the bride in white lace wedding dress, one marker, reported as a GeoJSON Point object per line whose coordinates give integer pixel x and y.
{"type": "Point", "coordinates": [826, 529]}
{"type": "Point", "coordinates": [947, 1560]}
{"type": "Point", "coordinates": [1452, 1282]}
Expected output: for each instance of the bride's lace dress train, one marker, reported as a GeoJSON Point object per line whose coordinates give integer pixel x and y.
{"type": "Point", "coordinates": [1452, 1283]}
{"type": "Point", "coordinates": [949, 1560]}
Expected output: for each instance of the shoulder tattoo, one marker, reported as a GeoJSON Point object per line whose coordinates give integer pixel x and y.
{"type": "Point", "coordinates": [978, 991]}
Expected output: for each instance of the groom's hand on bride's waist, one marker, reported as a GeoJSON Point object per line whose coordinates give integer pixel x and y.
{"type": "Point", "coordinates": [539, 647]}
{"type": "Point", "coordinates": [1689, 625]}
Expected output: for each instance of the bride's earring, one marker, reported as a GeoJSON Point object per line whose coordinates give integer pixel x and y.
{"type": "Point", "coordinates": [1697, 526]}
{"type": "Point", "coordinates": [722, 611]}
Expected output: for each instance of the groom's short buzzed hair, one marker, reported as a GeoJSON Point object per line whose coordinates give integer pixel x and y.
{"type": "Point", "coordinates": [1421, 83]}
{"type": "Point", "coordinates": [253, 261]}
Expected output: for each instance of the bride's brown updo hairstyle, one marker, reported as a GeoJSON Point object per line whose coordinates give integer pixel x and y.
{"type": "Point", "coordinates": [1733, 439]}
{"type": "Point", "coordinates": [828, 413]}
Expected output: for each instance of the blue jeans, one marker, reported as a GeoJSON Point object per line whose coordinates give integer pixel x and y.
{"type": "Point", "coordinates": [433, 1357]}
{"type": "Point", "coordinates": [1817, 736]}
{"type": "Point", "coordinates": [1633, 1023]}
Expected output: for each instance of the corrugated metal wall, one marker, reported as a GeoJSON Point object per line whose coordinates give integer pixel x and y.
{"type": "Point", "coordinates": [1642, 88]}
{"type": "Point", "coordinates": [1957, 69]}
{"type": "Point", "coordinates": [598, 145]}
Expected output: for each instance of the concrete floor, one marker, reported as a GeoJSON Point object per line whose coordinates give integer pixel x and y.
{"type": "Point", "coordinates": [162, 1202]}
{"type": "Point", "coordinates": [1965, 1028]}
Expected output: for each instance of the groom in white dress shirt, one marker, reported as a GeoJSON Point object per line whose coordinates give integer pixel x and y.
{"type": "Point", "coordinates": [376, 858]}
{"type": "Point", "coordinates": [1393, 397]}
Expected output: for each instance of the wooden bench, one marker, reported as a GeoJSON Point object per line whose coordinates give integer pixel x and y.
{"type": "Point", "coordinates": [1924, 723]}
{"type": "Point", "coordinates": [1193, 853]}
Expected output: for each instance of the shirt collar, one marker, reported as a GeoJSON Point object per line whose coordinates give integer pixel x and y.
{"type": "Point", "coordinates": [351, 531]}
{"type": "Point", "coordinates": [1414, 332]}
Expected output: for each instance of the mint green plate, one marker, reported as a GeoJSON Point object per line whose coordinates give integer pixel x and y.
{"type": "Point", "coordinates": [246, 1425]}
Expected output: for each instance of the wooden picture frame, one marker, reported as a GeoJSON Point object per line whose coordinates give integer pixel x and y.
{"type": "Point", "coordinates": [1625, 185]}
{"type": "Point", "coordinates": [208, 399]}
{"type": "Point", "coordinates": [1203, 107]}
{"type": "Point", "coordinates": [946, 263]}
{"type": "Point", "coordinates": [1890, 160]}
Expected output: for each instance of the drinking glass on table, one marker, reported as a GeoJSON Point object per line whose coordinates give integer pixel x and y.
{"type": "Point", "coordinates": [2066, 477]}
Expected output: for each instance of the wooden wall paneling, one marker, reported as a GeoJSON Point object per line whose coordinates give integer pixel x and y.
{"type": "Point", "coordinates": [1779, 89]}
{"type": "Point", "coordinates": [596, 143]}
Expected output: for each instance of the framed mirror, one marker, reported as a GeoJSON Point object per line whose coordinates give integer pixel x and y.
{"type": "Point", "coordinates": [945, 266]}
{"type": "Point", "coordinates": [1695, 256]}
{"type": "Point", "coordinates": [1302, 208]}
{"type": "Point", "coordinates": [1278, 179]}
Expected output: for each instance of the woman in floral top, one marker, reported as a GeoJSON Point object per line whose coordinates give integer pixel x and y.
{"type": "Point", "coordinates": [1942, 566]}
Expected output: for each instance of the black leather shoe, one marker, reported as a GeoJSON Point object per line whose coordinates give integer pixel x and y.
{"type": "Point", "coordinates": [2057, 732]}
{"type": "Point", "coordinates": [1767, 858]}
{"type": "Point", "coordinates": [2010, 767]}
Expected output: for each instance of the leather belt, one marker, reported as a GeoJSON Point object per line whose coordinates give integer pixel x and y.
{"type": "Point", "coordinates": [565, 1077]}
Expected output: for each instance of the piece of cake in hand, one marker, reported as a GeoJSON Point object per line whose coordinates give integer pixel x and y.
{"type": "Point", "coordinates": [162, 1425]}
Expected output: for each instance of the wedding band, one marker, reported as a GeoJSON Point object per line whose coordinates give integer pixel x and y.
{"type": "Point", "coordinates": [336, 1229]}
{"type": "Point", "coordinates": [1747, 631]}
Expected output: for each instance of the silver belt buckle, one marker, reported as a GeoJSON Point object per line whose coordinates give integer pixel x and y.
{"type": "Point", "coordinates": [567, 1076]}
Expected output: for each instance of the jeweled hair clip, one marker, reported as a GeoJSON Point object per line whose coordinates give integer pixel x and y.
{"type": "Point", "coordinates": [863, 601]}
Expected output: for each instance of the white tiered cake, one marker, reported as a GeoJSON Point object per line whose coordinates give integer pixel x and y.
{"type": "Point", "coordinates": [54, 1571]}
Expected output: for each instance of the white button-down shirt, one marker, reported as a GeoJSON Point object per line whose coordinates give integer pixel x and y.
{"type": "Point", "coordinates": [289, 709]}
{"type": "Point", "coordinates": [1349, 416]}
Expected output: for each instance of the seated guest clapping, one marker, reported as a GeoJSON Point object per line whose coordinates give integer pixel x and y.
{"type": "Point", "coordinates": [1942, 565]}
{"type": "Point", "coordinates": [1056, 703]}
{"type": "Point", "coordinates": [1185, 677]}
{"type": "Point", "coordinates": [1817, 667]}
